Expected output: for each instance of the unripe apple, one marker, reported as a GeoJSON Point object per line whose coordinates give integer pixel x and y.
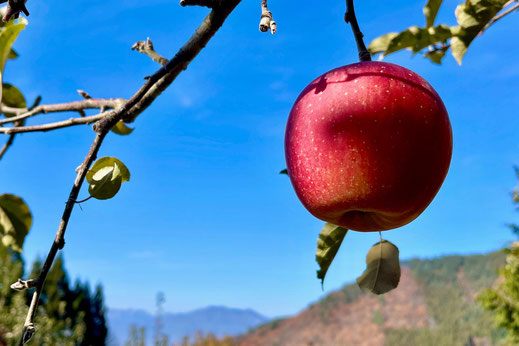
{"type": "Point", "coordinates": [368, 146]}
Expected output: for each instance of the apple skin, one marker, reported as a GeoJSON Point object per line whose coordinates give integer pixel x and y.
{"type": "Point", "coordinates": [368, 146]}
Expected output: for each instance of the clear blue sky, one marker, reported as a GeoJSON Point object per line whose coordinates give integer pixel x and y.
{"type": "Point", "coordinates": [206, 218]}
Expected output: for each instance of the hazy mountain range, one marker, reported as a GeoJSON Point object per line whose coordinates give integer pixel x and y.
{"type": "Point", "coordinates": [433, 305]}
{"type": "Point", "coordinates": [218, 320]}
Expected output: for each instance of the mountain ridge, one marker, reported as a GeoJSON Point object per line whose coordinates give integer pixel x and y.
{"type": "Point", "coordinates": [216, 319]}
{"type": "Point", "coordinates": [433, 305]}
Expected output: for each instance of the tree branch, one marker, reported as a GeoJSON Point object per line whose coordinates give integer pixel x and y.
{"type": "Point", "coordinates": [146, 47]}
{"type": "Point", "coordinates": [134, 106]}
{"type": "Point", "coordinates": [59, 240]}
{"type": "Point", "coordinates": [14, 7]}
{"type": "Point", "coordinates": [206, 3]}
{"type": "Point", "coordinates": [161, 79]}
{"type": "Point", "coordinates": [61, 107]}
{"type": "Point", "coordinates": [7, 145]}
{"type": "Point", "coordinates": [18, 122]}
{"type": "Point", "coordinates": [54, 126]}
{"type": "Point", "coordinates": [350, 17]}
{"type": "Point", "coordinates": [267, 22]}
{"type": "Point", "coordinates": [501, 15]}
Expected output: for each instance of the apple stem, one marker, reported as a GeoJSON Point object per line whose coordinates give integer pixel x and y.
{"type": "Point", "coordinates": [380, 235]}
{"type": "Point", "coordinates": [349, 17]}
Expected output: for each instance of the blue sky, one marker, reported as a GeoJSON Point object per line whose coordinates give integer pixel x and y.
{"type": "Point", "coordinates": [206, 218]}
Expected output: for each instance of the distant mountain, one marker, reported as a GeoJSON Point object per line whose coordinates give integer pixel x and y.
{"type": "Point", "coordinates": [218, 320]}
{"type": "Point", "coordinates": [433, 305]}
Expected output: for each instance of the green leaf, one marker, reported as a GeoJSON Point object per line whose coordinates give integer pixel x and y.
{"type": "Point", "coordinates": [383, 271]}
{"type": "Point", "coordinates": [8, 34]}
{"type": "Point", "coordinates": [417, 38]}
{"type": "Point", "coordinates": [472, 16]}
{"type": "Point", "coordinates": [106, 176]}
{"type": "Point", "coordinates": [121, 129]}
{"type": "Point", "coordinates": [12, 97]}
{"type": "Point", "coordinates": [284, 171]}
{"type": "Point", "coordinates": [380, 44]}
{"type": "Point", "coordinates": [328, 244]}
{"type": "Point", "coordinates": [430, 11]}
{"type": "Point", "coordinates": [15, 221]}
{"type": "Point", "coordinates": [12, 54]}
{"type": "Point", "coordinates": [435, 56]}
{"type": "Point", "coordinates": [413, 38]}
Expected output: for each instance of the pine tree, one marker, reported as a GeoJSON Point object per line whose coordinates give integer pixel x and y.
{"type": "Point", "coordinates": [503, 299]}
{"type": "Point", "coordinates": [65, 316]}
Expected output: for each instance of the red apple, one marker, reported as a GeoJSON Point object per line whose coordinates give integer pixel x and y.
{"type": "Point", "coordinates": [368, 146]}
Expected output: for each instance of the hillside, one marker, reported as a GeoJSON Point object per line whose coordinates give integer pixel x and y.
{"type": "Point", "coordinates": [433, 305]}
{"type": "Point", "coordinates": [218, 320]}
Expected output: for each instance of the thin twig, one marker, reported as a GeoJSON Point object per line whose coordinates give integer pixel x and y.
{"type": "Point", "coordinates": [62, 107]}
{"type": "Point", "coordinates": [134, 106]}
{"type": "Point", "coordinates": [59, 240]}
{"type": "Point", "coordinates": [7, 145]}
{"type": "Point", "coordinates": [350, 17]}
{"type": "Point", "coordinates": [19, 122]}
{"type": "Point", "coordinates": [161, 79]}
{"type": "Point", "coordinates": [206, 3]}
{"type": "Point", "coordinates": [84, 94]}
{"type": "Point", "coordinates": [55, 125]}
{"type": "Point", "coordinates": [267, 22]}
{"type": "Point", "coordinates": [501, 15]}
{"type": "Point", "coordinates": [146, 47]}
{"type": "Point", "coordinates": [14, 7]}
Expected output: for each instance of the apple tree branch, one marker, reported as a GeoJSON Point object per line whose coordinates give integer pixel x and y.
{"type": "Point", "coordinates": [151, 89]}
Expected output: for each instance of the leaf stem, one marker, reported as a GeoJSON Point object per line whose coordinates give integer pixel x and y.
{"type": "Point", "coordinates": [84, 200]}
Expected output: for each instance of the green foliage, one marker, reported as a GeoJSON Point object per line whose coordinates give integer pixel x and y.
{"type": "Point", "coordinates": [455, 318]}
{"type": "Point", "coordinates": [414, 38]}
{"type": "Point", "coordinates": [378, 318]}
{"type": "Point", "coordinates": [472, 17]}
{"type": "Point", "coordinates": [9, 94]}
{"type": "Point", "coordinates": [208, 339]}
{"type": "Point", "coordinates": [503, 300]}
{"type": "Point", "coordinates": [447, 287]}
{"type": "Point", "coordinates": [264, 327]}
{"type": "Point", "coordinates": [430, 11]}
{"type": "Point", "coordinates": [328, 244]}
{"type": "Point", "coordinates": [351, 293]}
{"type": "Point", "coordinates": [137, 336]}
{"type": "Point", "coordinates": [383, 271]}
{"type": "Point", "coordinates": [481, 270]}
{"type": "Point", "coordinates": [12, 97]}
{"type": "Point", "coordinates": [121, 129]}
{"type": "Point", "coordinates": [106, 176]}
{"type": "Point", "coordinates": [8, 33]}
{"type": "Point", "coordinates": [67, 316]}
{"type": "Point", "coordinates": [15, 221]}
